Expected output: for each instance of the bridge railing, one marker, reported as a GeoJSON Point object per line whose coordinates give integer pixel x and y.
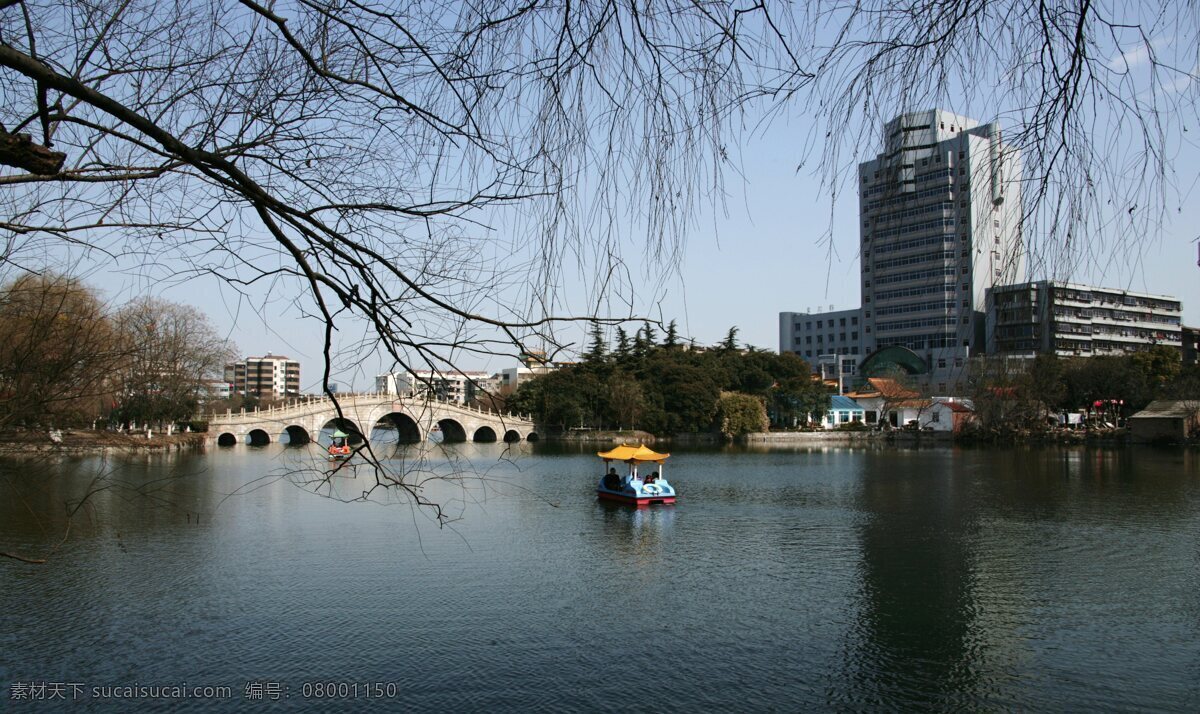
{"type": "Point", "coordinates": [311, 403]}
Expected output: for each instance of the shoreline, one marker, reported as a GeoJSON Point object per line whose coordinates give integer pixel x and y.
{"type": "Point", "coordinates": [89, 442]}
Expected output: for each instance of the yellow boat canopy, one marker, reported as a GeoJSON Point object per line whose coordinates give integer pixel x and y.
{"type": "Point", "coordinates": [626, 452]}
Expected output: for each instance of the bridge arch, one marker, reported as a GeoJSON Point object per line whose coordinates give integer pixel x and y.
{"type": "Point", "coordinates": [512, 436]}
{"type": "Point", "coordinates": [531, 436]}
{"type": "Point", "coordinates": [452, 431]}
{"type": "Point", "coordinates": [227, 439]}
{"type": "Point", "coordinates": [258, 437]}
{"type": "Point", "coordinates": [484, 435]}
{"type": "Point", "coordinates": [406, 428]}
{"type": "Point", "coordinates": [347, 426]}
{"type": "Point", "coordinates": [297, 435]}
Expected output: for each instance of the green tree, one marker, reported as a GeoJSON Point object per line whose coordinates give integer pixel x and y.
{"type": "Point", "coordinates": [625, 400]}
{"type": "Point", "coordinates": [649, 336]}
{"type": "Point", "coordinates": [671, 341]}
{"type": "Point", "coordinates": [597, 349]}
{"type": "Point", "coordinates": [740, 414]}
{"type": "Point", "coordinates": [623, 347]}
{"type": "Point", "coordinates": [729, 344]}
{"type": "Point", "coordinates": [1160, 364]}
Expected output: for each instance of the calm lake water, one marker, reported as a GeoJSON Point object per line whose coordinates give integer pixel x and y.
{"type": "Point", "coordinates": [877, 579]}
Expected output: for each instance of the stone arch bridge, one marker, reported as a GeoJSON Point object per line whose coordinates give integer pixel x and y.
{"type": "Point", "coordinates": [414, 420]}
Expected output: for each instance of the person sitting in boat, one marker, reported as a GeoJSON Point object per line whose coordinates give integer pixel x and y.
{"type": "Point", "coordinates": [612, 481]}
{"type": "Point", "coordinates": [651, 477]}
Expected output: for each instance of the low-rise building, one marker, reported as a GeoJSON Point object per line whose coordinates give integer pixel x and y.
{"type": "Point", "coordinates": [877, 395]}
{"type": "Point", "coordinates": [1069, 319]}
{"type": "Point", "coordinates": [843, 410]}
{"type": "Point", "coordinates": [1173, 420]}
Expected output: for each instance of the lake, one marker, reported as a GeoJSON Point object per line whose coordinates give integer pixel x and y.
{"type": "Point", "coordinates": [851, 579]}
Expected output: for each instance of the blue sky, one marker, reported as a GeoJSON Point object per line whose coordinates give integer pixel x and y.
{"type": "Point", "coordinates": [777, 246]}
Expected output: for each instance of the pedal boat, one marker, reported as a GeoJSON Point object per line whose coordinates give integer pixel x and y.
{"type": "Point", "coordinates": [642, 485]}
{"type": "Point", "coordinates": [339, 450]}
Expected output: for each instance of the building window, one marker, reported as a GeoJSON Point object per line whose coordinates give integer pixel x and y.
{"type": "Point", "coordinates": [808, 325]}
{"type": "Point", "coordinates": [966, 320]}
{"type": "Point", "coordinates": [958, 361]}
{"type": "Point", "coordinates": [868, 329]}
{"type": "Point", "coordinates": [962, 155]}
{"type": "Point", "coordinates": [966, 286]}
{"type": "Point", "coordinates": [964, 271]}
{"type": "Point", "coordinates": [854, 320]}
{"type": "Point", "coordinates": [867, 284]}
{"type": "Point", "coordinates": [866, 298]}
{"type": "Point", "coordinates": [842, 336]}
{"type": "Point", "coordinates": [842, 322]}
{"type": "Point", "coordinates": [820, 324]}
{"type": "Point", "coordinates": [808, 353]}
{"type": "Point", "coordinates": [935, 416]}
{"type": "Point", "coordinates": [941, 362]}
{"type": "Point", "coordinates": [808, 339]}
{"type": "Point", "coordinates": [868, 314]}
{"type": "Point", "coordinates": [962, 172]}
{"type": "Point", "coordinates": [966, 303]}
{"type": "Point", "coordinates": [854, 335]}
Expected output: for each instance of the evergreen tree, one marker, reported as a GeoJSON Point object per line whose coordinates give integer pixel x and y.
{"type": "Point", "coordinates": [729, 344]}
{"type": "Point", "coordinates": [623, 345]}
{"type": "Point", "coordinates": [651, 335]}
{"type": "Point", "coordinates": [672, 339]}
{"type": "Point", "coordinates": [598, 348]}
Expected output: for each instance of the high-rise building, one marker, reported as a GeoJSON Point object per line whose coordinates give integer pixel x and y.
{"type": "Point", "coordinates": [264, 377]}
{"type": "Point", "coordinates": [940, 223]}
{"type": "Point", "coordinates": [940, 212]}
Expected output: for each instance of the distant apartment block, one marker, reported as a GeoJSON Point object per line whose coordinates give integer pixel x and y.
{"type": "Point", "coordinates": [457, 387]}
{"type": "Point", "coordinates": [264, 377]}
{"type": "Point", "coordinates": [1068, 319]}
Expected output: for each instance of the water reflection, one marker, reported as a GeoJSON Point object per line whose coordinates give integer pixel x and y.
{"type": "Point", "coordinates": [635, 535]}
{"type": "Point", "coordinates": [795, 580]}
{"type": "Point", "coordinates": [913, 645]}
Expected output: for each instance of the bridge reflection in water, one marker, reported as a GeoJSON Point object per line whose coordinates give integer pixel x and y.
{"type": "Point", "coordinates": [411, 420]}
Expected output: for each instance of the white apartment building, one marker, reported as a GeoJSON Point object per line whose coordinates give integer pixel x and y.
{"type": "Point", "coordinates": [940, 213]}
{"type": "Point", "coordinates": [264, 377]}
{"type": "Point", "coordinates": [457, 387]}
{"type": "Point", "coordinates": [1069, 319]}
